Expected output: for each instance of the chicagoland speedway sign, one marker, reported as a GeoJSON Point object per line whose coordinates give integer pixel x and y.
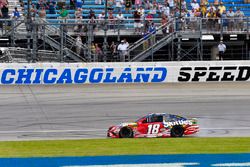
{"type": "Point", "coordinates": [80, 74]}
{"type": "Point", "coordinates": [104, 73]}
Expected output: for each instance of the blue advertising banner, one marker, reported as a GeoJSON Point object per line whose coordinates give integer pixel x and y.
{"type": "Point", "coordinates": [179, 160]}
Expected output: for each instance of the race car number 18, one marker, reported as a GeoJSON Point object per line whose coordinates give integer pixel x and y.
{"type": "Point", "coordinates": [153, 128]}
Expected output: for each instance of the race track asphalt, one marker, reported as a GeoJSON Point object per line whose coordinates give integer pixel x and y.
{"type": "Point", "coordinates": [86, 111]}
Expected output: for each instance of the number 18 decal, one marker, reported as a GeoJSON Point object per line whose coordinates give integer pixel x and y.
{"type": "Point", "coordinates": [153, 128]}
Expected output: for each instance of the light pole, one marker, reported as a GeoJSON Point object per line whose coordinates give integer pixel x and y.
{"type": "Point", "coordinates": [179, 35]}
{"type": "Point", "coordinates": [28, 28]}
{"type": "Point", "coordinates": [105, 31]}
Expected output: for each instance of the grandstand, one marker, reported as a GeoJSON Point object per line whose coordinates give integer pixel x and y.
{"type": "Point", "coordinates": [53, 38]}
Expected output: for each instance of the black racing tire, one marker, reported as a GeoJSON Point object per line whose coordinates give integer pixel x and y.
{"type": "Point", "coordinates": [126, 132]}
{"type": "Point", "coordinates": [177, 131]}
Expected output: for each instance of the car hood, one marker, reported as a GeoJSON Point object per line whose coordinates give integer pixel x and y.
{"type": "Point", "coordinates": [128, 124]}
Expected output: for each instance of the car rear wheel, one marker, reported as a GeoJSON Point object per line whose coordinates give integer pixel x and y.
{"type": "Point", "coordinates": [177, 131]}
{"type": "Point", "coordinates": [126, 132]}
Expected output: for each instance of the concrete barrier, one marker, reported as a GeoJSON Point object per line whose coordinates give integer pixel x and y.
{"type": "Point", "coordinates": [142, 72]}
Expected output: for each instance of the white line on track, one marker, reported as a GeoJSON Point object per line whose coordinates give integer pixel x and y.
{"type": "Point", "coordinates": [142, 165]}
{"type": "Point", "coordinates": [53, 131]}
{"type": "Point", "coordinates": [233, 164]}
{"type": "Point", "coordinates": [235, 128]}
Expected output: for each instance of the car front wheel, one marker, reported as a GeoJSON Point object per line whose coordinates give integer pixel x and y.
{"type": "Point", "coordinates": [126, 132]}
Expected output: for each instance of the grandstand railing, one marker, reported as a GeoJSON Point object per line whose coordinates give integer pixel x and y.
{"type": "Point", "coordinates": [146, 45]}
{"type": "Point", "coordinates": [54, 27]}
{"type": "Point", "coordinates": [69, 41]}
{"type": "Point", "coordinates": [17, 54]}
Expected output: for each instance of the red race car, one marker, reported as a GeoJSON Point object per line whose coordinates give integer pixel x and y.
{"type": "Point", "coordinates": [155, 125]}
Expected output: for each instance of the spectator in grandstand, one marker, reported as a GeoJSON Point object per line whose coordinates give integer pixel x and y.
{"type": "Point", "coordinates": [171, 4]}
{"type": "Point", "coordinates": [205, 2]}
{"type": "Point", "coordinates": [149, 17]}
{"type": "Point", "coordinates": [91, 14]}
{"type": "Point", "coordinates": [42, 17]}
{"type": "Point", "coordinates": [92, 24]}
{"type": "Point", "coordinates": [128, 6]}
{"type": "Point", "coordinates": [160, 6]}
{"type": "Point", "coordinates": [118, 5]}
{"type": "Point", "coordinates": [138, 3]}
{"type": "Point", "coordinates": [5, 11]}
{"type": "Point", "coordinates": [193, 19]}
{"type": "Point", "coordinates": [165, 10]}
{"type": "Point", "coordinates": [3, 2]}
{"type": "Point", "coordinates": [195, 5]}
{"type": "Point", "coordinates": [126, 42]}
{"type": "Point", "coordinates": [224, 21]}
{"type": "Point", "coordinates": [216, 3]}
{"type": "Point", "coordinates": [79, 26]}
{"type": "Point", "coordinates": [146, 40]}
{"type": "Point", "coordinates": [183, 19]}
{"type": "Point", "coordinates": [78, 45]}
{"type": "Point", "coordinates": [203, 10]}
{"type": "Point", "coordinates": [38, 5]}
{"type": "Point", "coordinates": [164, 21]}
{"type": "Point", "coordinates": [137, 22]}
{"type": "Point", "coordinates": [42, 13]}
{"type": "Point", "coordinates": [79, 20]}
{"type": "Point", "coordinates": [222, 48]}
{"type": "Point", "coordinates": [16, 14]}
{"type": "Point", "coordinates": [101, 19]}
{"type": "Point", "coordinates": [52, 8]}
{"type": "Point", "coordinates": [177, 15]}
{"type": "Point", "coordinates": [148, 21]}
{"type": "Point", "coordinates": [211, 6]}
{"type": "Point", "coordinates": [152, 32]}
{"type": "Point", "coordinates": [111, 19]}
{"type": "Point", "coordinates": [61, 4]}
{"type": "Point", "coordinates": [78, 13]}
{"type": "Point", "coordinates": [147, 4]}
{"type": "Point", "coordinates": [222, 7]}
{"type": "Point", "coordinates": [230, 18]}
{"type": "Point", "coordinates": [64, 13]}
{"type": "Point", "coordinates": [1, 23]}
{"type": "Point", "coordinates": [110, 5]}
{"type": "Point", "coordinates": [183, 5]}
{"type": "Point", "coordinates": [154, 8]}
{"type": "Point", "coordinates": [217, 20]}
{"type": "Point", "coordinates": [210, 19]}
{"type": "Point", "coordinates": [119, 19]}
{"type": "Point", "coordinates": [123, 50]}
{"type": "Point", "coordinates": [141, 11]}
{"type": "Point", "coordinates": [93, 52]}
{"type": "Point", "coordinates": [33, 11]}
{"type": "Point", "coordinates": [239, 16]}
{"type": "Point", "coordinates": [72, 4]}
{"type": "Point", "coordinates": [98, 52]}
{"type": "Point", "coordinates": [112, 48]}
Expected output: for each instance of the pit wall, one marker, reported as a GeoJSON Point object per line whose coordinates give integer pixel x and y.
{"type": "Point", "coordinates": [142, 72]}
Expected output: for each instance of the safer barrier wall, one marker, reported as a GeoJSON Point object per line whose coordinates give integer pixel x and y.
{"type": "Point", "coordinates": [142, 72]}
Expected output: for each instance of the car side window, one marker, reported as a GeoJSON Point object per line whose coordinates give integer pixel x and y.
{"type": "Point", "coordinates": [144, 121]}
{"type": "Point", "coordinates": [156, 118]}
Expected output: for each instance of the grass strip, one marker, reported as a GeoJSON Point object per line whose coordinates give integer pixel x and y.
{"type": "Point", "coordinates": [96, 147]}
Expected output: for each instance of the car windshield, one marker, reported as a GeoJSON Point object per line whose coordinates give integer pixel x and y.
{"type": "Point", "coordinates": [140, 119]}
{"type": "Point", "coordinates": [151, 118]}
{"type": "Point", "coordinates": [169, 118]}
{"type": "Point", "coordinates": [160, 118]}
